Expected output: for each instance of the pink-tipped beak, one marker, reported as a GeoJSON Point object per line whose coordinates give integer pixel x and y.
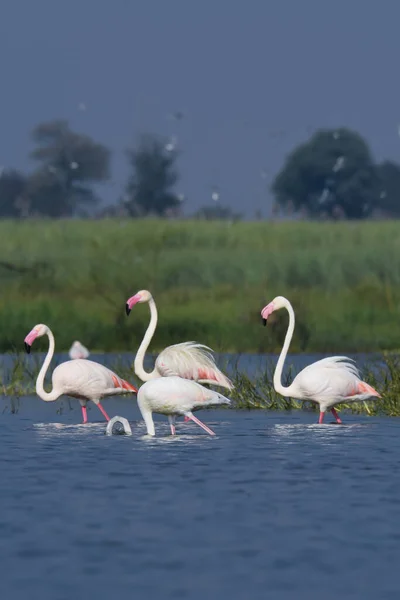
{"type": "Point", "coordinates": [30, 338]}
{"type": "Point", "coordinates": [266, 311]}
{"type": "Point", "coordinates": [131, 302]}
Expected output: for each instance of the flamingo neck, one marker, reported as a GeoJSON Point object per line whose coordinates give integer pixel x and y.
{"type": "Point", "coordinates": [138, 364]}
{"type": "Point", "coordinates": [41, 392]}
{"type": "Point", "coordinates": [281, 389]}
{"type": "Point", "coordinates": [147, 416]}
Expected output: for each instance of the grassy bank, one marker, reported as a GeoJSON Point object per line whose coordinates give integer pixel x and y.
{"type": "Point", "coordinates": [257, 393]}
{"type": "Point", "coordinates": [210, 281]}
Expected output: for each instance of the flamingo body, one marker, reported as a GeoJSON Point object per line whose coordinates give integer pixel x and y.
{"type": "Point", "coordinates": [88, 380]}
{"type": "Point", "coordinates": [327, 382]}
{"type": "Point", "coordinates": [331, 381]}
{"type": "Point", "coordinates": [79, 378]}
{"type": "Point", "coordinates": [173, 396]}
{"type": "Point", "coordinates": [78, 350]}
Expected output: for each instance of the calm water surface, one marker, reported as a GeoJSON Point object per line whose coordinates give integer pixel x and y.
{"type": "Point", "coordinates": [274, 506]}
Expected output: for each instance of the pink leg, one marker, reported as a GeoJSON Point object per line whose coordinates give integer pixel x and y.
{"type": "Point", "coordinates": [107, 418]}
{"type": "Point", "coordinates": [172, 424]}
{"type": "Point", "coordinates": [186, 419]}
{"type": "Point", "coordinates": [196, 420]}
{"type": "Point", "coordinates": [338, 420]}
{"type": "Point", "coordinates": [321, 417]}
{"type": "Point", "coordinates": [84, 414]}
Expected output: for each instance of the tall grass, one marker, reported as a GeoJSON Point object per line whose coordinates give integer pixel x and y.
{"type": "Point", "coordinates": [248, 393]}
{"type": "Point", "coordinates": [209, 279]}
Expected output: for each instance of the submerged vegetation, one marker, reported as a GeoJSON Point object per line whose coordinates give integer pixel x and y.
{"type": "Point", "coordinates": [210, 281]}
{"type": "Point", "coordinates": [249, 393]}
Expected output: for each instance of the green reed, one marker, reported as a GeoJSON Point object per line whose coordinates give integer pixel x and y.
{"type": "Point", "coordinates": [249, 393]}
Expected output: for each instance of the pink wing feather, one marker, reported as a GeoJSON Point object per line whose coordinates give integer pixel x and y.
{"type": "Point", "coordinates": [190, 360]}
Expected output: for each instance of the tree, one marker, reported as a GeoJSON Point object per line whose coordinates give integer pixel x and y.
{"type": "Point", "coordinates": [149, 188]}
{"type": "Point", "coordinates": [70, 164]}
{"type": "Point", "coordinates": [12, 189]}
{"type": "Point", "coordinates": [333, 175]}
{"type": "Point", "coordinates": [389, 196]}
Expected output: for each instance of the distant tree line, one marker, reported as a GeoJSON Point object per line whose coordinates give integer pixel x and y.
{"type": "Point", "coordinates": [332, 175]}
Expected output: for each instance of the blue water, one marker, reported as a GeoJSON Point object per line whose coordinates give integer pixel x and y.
{"type": "Point", "coordinates": [274, 506]}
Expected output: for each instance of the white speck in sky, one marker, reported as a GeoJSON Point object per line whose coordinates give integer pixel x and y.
{"type": "Point", "coordinates": [338, 164]}
{"type": "Point", "coordinates": [215, 195]}
{"type": "Point", "coordinates": [74, 165]}
{"type": "Point", "coordinates": [324, 196]}
{"type": "Point", "coordinates": [171, 146]}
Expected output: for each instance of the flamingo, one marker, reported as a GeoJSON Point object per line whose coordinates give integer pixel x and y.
{"type": "Point", "coordinates": [78, 350]}
{"type": "Point", "coordinates": [174, 396]}
{"type": "Point", "coordinates": [79, 378]}
{"type": "Point", "coordinates": [188, 360]}
{"type": "Point", "coordinates": [327, 382]}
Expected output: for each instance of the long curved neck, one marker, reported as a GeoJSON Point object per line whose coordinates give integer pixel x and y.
{"type": "Point", "coordinates": [285, 391]}
{"type": "Point", "coordinates": [41, 392]}
{"type": "Point", "coordinates": [138, 364]}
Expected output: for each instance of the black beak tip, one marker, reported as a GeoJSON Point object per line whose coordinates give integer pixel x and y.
{"type": "Point", "coordinates": [127, 309]}
{"type": "Point", "coordinates": [264, 322]}
{"type": "Point", "coordinates": [27, 348]}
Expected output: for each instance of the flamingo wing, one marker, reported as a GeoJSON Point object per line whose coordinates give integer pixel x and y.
{"type": "Point", "coordinates": [330, 379]}
{"type": "Point", "coordinates": [191, 360]}
{"type": "Point", "coordinates": [174, 395]}
{"type": "Point", "coordinates": [89, 379]}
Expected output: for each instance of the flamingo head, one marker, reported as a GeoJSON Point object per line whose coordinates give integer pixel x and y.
{"type": "Point", "coordinates": [276, 304]}
{"type": "Point", "coordinates": [142, 296]}
{"type": "Point", "coordinates": [37, 331]}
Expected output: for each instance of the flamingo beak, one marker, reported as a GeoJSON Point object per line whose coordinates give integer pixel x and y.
{"type": "Point", "coordinates": [266, 311]}
{"type": "Point", "coordinates": [30, 338]}
{"type": "Point", "coordinates": [131, 302]}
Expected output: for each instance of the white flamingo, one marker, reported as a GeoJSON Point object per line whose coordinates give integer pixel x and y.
{"type": "Point", "coordinates": [78, 350]}
{"type": "Point", "coordinates": [80, 378]}
{"type": "Point", "coordinates": [327, 382]}
{"type": "Point", "coordinates": [174, 397]}
{"type": "Point", "coordinates": [188, 360]}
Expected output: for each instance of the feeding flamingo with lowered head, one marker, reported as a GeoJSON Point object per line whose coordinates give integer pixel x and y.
{"type": "Point", "coordinates": [327, 382]}
{"type": "Point", "coordinates": [174, 396]}
{"type": "Point", "coordinates": [188, 360]}
{"type": "Point", "coordinates": [80, 378]}
{"type": "Point", "coordinates": [78, 350]}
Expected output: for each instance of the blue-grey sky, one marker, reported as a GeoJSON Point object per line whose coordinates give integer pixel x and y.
{"type": "Point", "coordinates": [239, 71]}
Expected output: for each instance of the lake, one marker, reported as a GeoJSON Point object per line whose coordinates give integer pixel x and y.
{"type": "Point", "coordinates": [275, 506]}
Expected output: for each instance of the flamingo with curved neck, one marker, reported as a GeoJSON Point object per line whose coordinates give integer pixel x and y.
{"type": "Point", "coordinates": [188, 360]}
{"type": "Point", "coordinates": [327, 382]}
{"type": "Point", "coordinates": [80, 378]}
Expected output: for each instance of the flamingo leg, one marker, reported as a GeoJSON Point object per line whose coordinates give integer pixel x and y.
{"type": "Point", "coordinates": [338, 419]}
{"type": "Point", "coordinates": [172, 425]}
{"type": "Point", "coordinates": [198, 422]}
{"type": "Point", "coordinates": [321, 417]}
{"type": "Point", "coordinates": [107, 418]}
{"type": "Point", "coordinates": [186, 419]}
{"type": "Point", "coordinates": [84, 414]}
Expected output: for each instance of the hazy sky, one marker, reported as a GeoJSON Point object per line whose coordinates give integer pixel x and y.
{"type": "Point", "coordinates": [238, 70]}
